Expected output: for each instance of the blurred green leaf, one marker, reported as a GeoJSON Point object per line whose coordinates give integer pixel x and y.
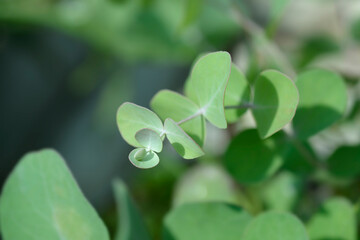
{"type": "Point", "coordinates": [217, 25]}
{"type": "Point", "coordinates": [130, 224]}
{"type": "Point", "coordinates": [281, 192]}
{"type": "Point", "coordinates": [250, 159]}
{"type": "Point", "coordinates": [323, 96]}
{"type": "Point", "coordinates": [355, 29]}
{"type": "Point", "coordinates": [336, 219]}
{"type": "Point", "coordinates": [210, 221]}
{"type": "Point", "coordinates": [192, 12]}
{"type": "Point", "coordinates": [169, 104]}
{"type": "Point", "coordinates": [237, 92]}
{"type": "Point", "coordinates": [207, 85]}
{"type": "Point", "coordinates": [275, 225]}
{"type": "Point", "coordinates": [275, 102]}
{"type": "Point", "coordinates": [42, 201]}
{"type": "Point", "coordinates": [184, 145]}
{"type": "Point", "coordinates": [149, 139]}
{"type": "Point", "coordinates": [296, 162]}
{"type": "Point", "coordinates": [345, 162]}
{"type": "Point", "coordinates": [144, 159]}
{"type": "Point", "coordinates": [277, 9]}
{"type": "Point", "coordinates": [131, 118]}
{"type": "Point", "coordinates": [316, 46]}
{"type": "Point", "coordinates": [204, 183]}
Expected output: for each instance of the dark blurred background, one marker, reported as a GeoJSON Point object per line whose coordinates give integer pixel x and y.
{"type": "Point", "coordinates": [66, 66]}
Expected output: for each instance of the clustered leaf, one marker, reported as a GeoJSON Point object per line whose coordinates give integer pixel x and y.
{"type": "Point", "coordinates": [218, 91]}
{"type": "Point", "coordinates": [169, 104]}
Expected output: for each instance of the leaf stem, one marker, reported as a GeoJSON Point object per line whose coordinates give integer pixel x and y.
{"type": "Point", "coordinates": [241, 106]}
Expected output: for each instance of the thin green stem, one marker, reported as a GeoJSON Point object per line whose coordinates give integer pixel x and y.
{"type": "Point", "coordinates": [241, 106]}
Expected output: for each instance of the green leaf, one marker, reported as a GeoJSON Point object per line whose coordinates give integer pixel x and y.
{"type": "Point", "coordinates": [275, 102]}
{"type": "Point", "coordinates": [193, 9]}
{"type": "Point", "coordinates": [131, 118]}
{"type": "Point", "coordinates": [250, 159]}
{"type": "Point", "coordinates": [281, 192]}
{"type": "Point", "coordinates": [169, 104]}
{"type": "Point", "coordinates": [345, 162]}
{"type": "Point", "coordinates": [149, 139]}
{"type": "Point", "coordinates": [237, 93]}
{"type": "Point", "coordinates": [207, 83]}
{"type": "Point", "coordinates": [275, 225]}
{"type": "Point", "coordinates": [296, 162]}
{"type": "Point", "coordinates": [336, 219]}
{"type": "Point", "coordinates": [130, 223]}
{"type": "Point", "coordinates": [184, 145]}
{"type": "Point", "coordinates": [142, 158]}
{"type": "Point", "coordinates": [323, 96]}
{"type": "Point", "coordinates": [355, 29]}
{"type": "Point", "coordinates": [277, 8]}
{"type": "Point", "coordinates": [204, 183]}
{"type": "Point", "coordinates": [42, 201]}
{"type": "Point", "coordinates": [210, 221]}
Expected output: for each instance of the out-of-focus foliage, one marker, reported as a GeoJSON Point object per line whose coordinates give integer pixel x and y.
{"type": "Point", "coordinates": [66, 65]}
{"type": "Point", "coordinates": [134, 30]}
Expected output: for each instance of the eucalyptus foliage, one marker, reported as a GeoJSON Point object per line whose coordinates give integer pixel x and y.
{"type": "Point", "coordinates": [42, 201]}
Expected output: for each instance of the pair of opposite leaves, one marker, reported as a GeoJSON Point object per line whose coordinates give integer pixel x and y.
{"type": "Point", "coordinates": [274, 104]}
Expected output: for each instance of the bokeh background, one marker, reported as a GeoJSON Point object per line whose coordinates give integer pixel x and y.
{"type": "Point", "coordinates": [67, 65]}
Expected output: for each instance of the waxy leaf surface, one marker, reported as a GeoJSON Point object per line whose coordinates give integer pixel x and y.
{"type": "Point", "coordinates": [149, 139]}
{"type": "Point", "coordinates": [169, 104]}
{"type": "Point", "coordinates": [141, 158]}
{"type": "Point", "coordinates": [131, 118]}
{"type": "Point", "coordinates": [207, 83]}
{"type": "Point", "coordinates": [184, 145]}
{"type": "Point", "coordinates": [275, 100]}
{"type": "Point", "coordinates": [237, 93]}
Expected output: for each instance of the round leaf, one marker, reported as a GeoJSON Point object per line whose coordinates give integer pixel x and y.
{"type": "Point", "coordinates": [204, 183]}
{"type": "Point", "coordinates": [41, 200]}
{"type": "Point", "coordinates": [169, 104]}
{"type": "Point", "coordinates": [149, 139]}
{"type": "Point", "coordinates": [345, 162]}
{"type": "Point", "coordinates": [207, 83]}
{"type": "Point", "coordinates": [275, 225]}
{"type": "Point", "coordinates": [323, 99]}
{"type": "Point", "coordinates": [141, 158]}
{"type": "Point", "coordinates": [336, 219]}
{"type": "Point", "coordinates": [275, 100]}
{"type": "Point", "coordinates": [210, 221]}
{"type": "Point", "coordinates": [250, 159]}
{"type": "Point", "coordinates": [237, 93]}
{"type": "Point", "coordinates": [282, 192]}
{"type": "Point", "coordinates": [131, 118]}
{"type": "Point", "coordinates": [184, 145]}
